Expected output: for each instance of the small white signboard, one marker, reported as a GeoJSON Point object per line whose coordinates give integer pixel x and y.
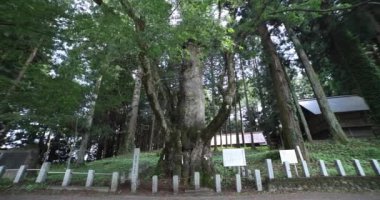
{"type": "Point", "coordinates": [234, 157]}
{"type": "Point", "coordinates": [288, 155]}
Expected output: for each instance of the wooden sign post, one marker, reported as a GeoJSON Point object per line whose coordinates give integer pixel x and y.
{"type": "Point", "coordinates": [290, 157]}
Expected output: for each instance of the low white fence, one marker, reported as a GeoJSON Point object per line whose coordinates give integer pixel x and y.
{"type": "Point", "coordinates": [257, 175]}
{"type": "Point", "coordinates": [43, 173]}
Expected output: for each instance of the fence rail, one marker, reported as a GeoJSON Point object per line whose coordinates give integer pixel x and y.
{"type": "Point", "coordinates": [246, 174]}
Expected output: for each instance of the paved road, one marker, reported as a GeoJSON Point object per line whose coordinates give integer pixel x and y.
{"type": "Point", "coordinates": [234, 196]}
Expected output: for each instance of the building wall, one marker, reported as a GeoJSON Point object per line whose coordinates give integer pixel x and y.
{"type": "Point", "coordinates": [355, 124]}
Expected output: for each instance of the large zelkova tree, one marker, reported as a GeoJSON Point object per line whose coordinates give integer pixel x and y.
{"type": "Point", "coordinates": [187, 134]}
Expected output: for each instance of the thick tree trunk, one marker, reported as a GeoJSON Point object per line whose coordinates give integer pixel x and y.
{"type": "Point", "coordinates": [188, 148]}
{"type": "Point", "coordinates": [226, 133]}
{"type": "Point", "coordinates": [83, 148]}
{"type": "Point", "coordinates": [260, 89]}
{"type": "Point", "coordinates": [300, 113]}
{"type": "Point", "coordinates": [99, 152]}
{"type": "Point", "coordinates": [329, 116]}
{"type": "Point", "coordinates": [288, 117]}
{"type": "Point", "coordinates": [213, 97]}
{"type": "Point", "coordinates": [251, 115]}
{"type": "Point", "coordinates": [90, 116]}
{"type": "Point", "coordinates": [230, 131]}
{"type": "Point", "coordinates": [129, 143]}
{"type": "Point", "coordinates": [241, 124]}
{"type": "Point", "coordinates": [220, 138]}
{"type": "Point", "coordinates": [152, 128]}
{"type": "Point", "coordinates": [192, 110]}
{"type": "Point", "coordinates": [236, 127]}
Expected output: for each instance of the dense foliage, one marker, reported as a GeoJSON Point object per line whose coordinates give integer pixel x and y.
{"type": "Point", "coordinates": [69, 70]}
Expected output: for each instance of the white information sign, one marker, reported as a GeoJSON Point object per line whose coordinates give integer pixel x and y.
{"type": "Point", "coordinates": [288, 155]}
{"type": "Point", "coordinates": [234, 157]}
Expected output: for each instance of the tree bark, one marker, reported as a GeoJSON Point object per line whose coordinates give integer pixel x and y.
{"type": "Point", "coordinates": [129, 143]}
{"type": "Point", "coordinates": [225, 134]}
{"type": "Point", "coordinates": [300, 113]}
{"type": "Point", "coordinates": [236, 127]}
{"type": "Point", "coordinates": [290, 125]}
{"type": "Point", "coordinates": [221, 138]}
{"type": "Point", "coordinates": [241, 124]}
{"type": "Point", "coordinates": [90, 116]}
{"type": "Point", "coordinates": [230, 131]}
{"type": "Point", "coordinates": [250, 113]}
{"type": "Point", "coordinates": [191, 109]}
{"type": "Point", "coordinates": [152, 133]}
{"type": "Point", "coordinates": [329, 116]}
{"type": "Point", "coordinates": [259, 84]}
{"type": "Point", "coordinates": [213, 96]}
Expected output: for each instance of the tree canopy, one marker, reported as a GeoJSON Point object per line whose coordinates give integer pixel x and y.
{"type": "Point", "coordinates": [105, 76]}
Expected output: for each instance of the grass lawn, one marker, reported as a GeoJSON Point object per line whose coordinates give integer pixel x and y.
{"type": "Point", "coordinates": [361, 149]}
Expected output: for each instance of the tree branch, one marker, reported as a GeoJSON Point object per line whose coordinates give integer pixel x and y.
{"type": "Point", "coordinates": [139, 22]}
{"type": "Point", "coordinates": [24, 68]}
{"type": "Point", "coordinates": [326, 10]}
{"type": "Point", "coordinates": [149, 74]}
{"type": "Point", "coordinates": [228, 98]}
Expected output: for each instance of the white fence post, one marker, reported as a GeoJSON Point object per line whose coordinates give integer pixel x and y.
{"type": "Point", "coordinates": [21, 172]}
{"type": "Point", "coordinates": [238, 183]}
{"type": "Point", "coordinates": [218, 184]}
{"type": "Point", "coordinates": [374, 163]}
{"type": "Point", "coordinates": [135, 170]}
{"type": "Point", "coordinates": [115, 181]}
{"type": "Point", "coordinates": [42, 175]}
{"type": "Point", "coordinates": [154, 184]}
{"type": "Point", "coordinates": [2, 170]}
{"type": "Point", "coordinates": [358, 167]}
{"type": "Point", "coordinates": [340, 168]}
{"type": "Point", "coordinates": [196, 181]}
{"type": "Point", "coordinates": [90, 178]}
{"type": "Point", "coordinates": [323, 168]}
{"type": "Point", "coordinates": [287, 169]}
{"type": "Point", "coordinates": [67, 178]}
{"type": "Point", "coordinates": [259, 184]}
{"type": "Point", "coordinates": [270, 169]}
{"type": "Point", "coordinates": [305, 169]}
{"type": "Point", "coordinates": [175, 184]}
